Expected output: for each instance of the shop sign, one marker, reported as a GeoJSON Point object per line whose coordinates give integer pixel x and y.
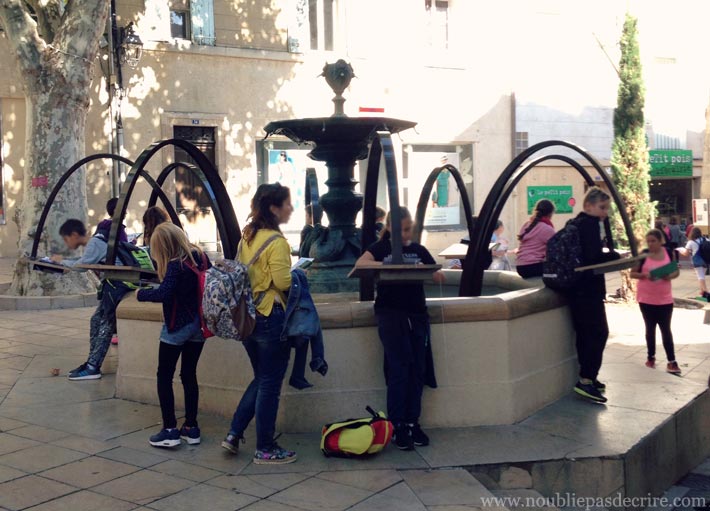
{"type": "Point", "coordinates": [671, 162]}
{"type": "Point", "coordinates": [561, 197]}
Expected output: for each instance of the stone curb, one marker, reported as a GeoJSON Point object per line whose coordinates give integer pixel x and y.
{"type": "Point", "coordinates": [24, 303]}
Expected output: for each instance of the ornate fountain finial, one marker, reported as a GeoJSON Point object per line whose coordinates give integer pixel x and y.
{"type": "Point", "coordinates": [338, 76]}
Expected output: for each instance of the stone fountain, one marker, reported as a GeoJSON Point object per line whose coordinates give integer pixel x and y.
{"type": "Point", "coordinates": [339, 141]}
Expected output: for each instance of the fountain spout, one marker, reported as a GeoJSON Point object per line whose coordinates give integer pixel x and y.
{"type": "Point", "coordinates": [338, 77]}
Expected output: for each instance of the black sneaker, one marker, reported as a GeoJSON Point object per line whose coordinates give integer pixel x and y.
{"type": "Point", "coordinates": [191, 435]}
{"type": "Point", "coordinates": [403, 438]}
{"type": "Point", "coordinates": [78, 369]}
{"type": "Point", "coordinates": [419, 438]}
{"type": "Point", "coordinates": [601, 387]}
{"type": "Point", "coordinates": [588, 391]}
{"type": "Point", "coordinates": [231, 443]}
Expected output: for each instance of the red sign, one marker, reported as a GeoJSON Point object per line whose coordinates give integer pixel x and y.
{"type": "Point", "coordinates": [372, 110]}
{"type": "Point", "coordinates": [40, 181]}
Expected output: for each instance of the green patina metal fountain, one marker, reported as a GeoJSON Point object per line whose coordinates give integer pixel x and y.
{"type": "Point", "coordinates": [339, 141]}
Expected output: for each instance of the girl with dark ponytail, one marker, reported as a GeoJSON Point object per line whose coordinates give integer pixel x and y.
{"type": "Point", "coordinates": [267, 255]}
{"type": "Point", "coordinates": [533, 239]}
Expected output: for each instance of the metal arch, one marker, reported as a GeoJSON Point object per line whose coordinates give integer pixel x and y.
{"type": "Point", "coordinates": [57, 187]}
{"type": "Point", "coordinates": [381, 144]}
{"type": "Point", "coordinates": [312, 197]}
{"type": "Point", "coordinates": [472, 277]}
{"type": "Point", "coordinates": [423, 203]}
{"type": "Point", "coordinates": [160, 181]}
{"type": "Point", "coordinates": [226, 219]}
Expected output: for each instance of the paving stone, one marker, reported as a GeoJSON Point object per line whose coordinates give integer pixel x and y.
{"type": "Point", "coordinates": [445, 487]}
{"type": "Point", "coordinates": [8, 474]}
{"type": "Point", "coordinates": [317, 494]}
{"type": "Point", "coordinates": [201, 496]}
{"type": "Point", "coordinates": [260, 486]}
{"type": "Point", "coordinates": [397, 498]}
{"type": "Point", "coordinates": [371, 480]}
{"type": "Point", "coordinates": [83, 444]}
{"type": "Point", "coordinates": [30, 491]}
{"type": "Point", "coordinates": [39, 433]}
{"type": "Point", "coordinates": [133, 457]}
{"type": "Point", "coordinates": [186, 470]}
{"type": "Point", "coordinates": [40, 457]}
{"type": "Point", "coordinates": [10, 424]}
{"type": "Point", "coordinates": [268, 505]}
{"type": "Point", "coordinates": [84, 501]}
{"type": "Point", "coordinates": [143, 487]}
{"type": "Point", "coordinates": [11, 443]}
{"type": "Point", "coordinates": [89, 472]}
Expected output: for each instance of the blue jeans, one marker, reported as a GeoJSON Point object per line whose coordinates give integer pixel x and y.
{"type": "Point", "coordinates": [268, 355]}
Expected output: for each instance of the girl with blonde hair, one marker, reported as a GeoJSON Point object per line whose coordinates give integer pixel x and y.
{"type": "Point", "coordinates": [178, 264]}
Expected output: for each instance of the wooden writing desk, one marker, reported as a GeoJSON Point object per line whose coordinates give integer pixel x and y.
{"type": "Point", "coordinates": [126, 273]}
{"type": "Point", "coordinates": [395, 272]}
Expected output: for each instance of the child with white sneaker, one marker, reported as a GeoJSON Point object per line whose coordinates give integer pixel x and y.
{"type": "Point", "coordinates": [177, 263]}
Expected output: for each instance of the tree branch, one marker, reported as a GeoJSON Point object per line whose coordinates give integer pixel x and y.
{"type": "Point", "coordinates": [21, 30]}
{"type": "Point", "coordinates": [83, 23]}
{"type": "Point", "coordinates": [49, 16]}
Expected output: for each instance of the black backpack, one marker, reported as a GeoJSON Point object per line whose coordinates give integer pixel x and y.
{"type": "Point", "coordinates": [704, 249]}
{"type": "Point", "coordinates": [564, 254]}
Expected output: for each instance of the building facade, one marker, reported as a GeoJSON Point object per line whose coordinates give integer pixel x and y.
{"type": "Point", "coordinates": [482, 82]}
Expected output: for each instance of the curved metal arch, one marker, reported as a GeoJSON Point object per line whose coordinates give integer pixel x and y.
{"type": "Point", "coordinates": [70, 171]}
{"type": "Point", "coordinates": [423, 203]}
{"type": "Point", "coordinates": [227, 223]}
{"type": "Point", "coordinates": [312, 197]}
{"type": "Point", "coordinates": [472, 277]}
{"type": "Point", "coordinates": [162, 177]}
{"type": "Point", "coordinates": [381, 145]}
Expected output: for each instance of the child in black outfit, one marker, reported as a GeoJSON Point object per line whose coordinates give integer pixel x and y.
{"type": "Point", "coordinates": [403, 326]}
{"type": "Point", "coordinates": [586, 299]}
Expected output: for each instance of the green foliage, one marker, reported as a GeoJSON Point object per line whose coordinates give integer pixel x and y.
{"type": "Point", "coordinates": [629, 156]}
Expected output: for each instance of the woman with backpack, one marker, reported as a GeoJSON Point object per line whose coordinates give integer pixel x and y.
{"type": "Point", "coordinates": [178, 264]}
{"type": "Point", "coordinates": [403, 327]}
{"type": "Point", "coordinates": [586, 297]}
{"type": "Point", "coordinates": [655, 299]}
{"type": "Point", "coordinates": [270, 278]}
{"type": "Point", "coordinates": [694, 249]}
{"type": "Point", "coordinates": [533, 239]}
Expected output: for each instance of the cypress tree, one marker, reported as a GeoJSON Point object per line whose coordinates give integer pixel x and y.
{"type": "Point", "coordinates": [629, 155]}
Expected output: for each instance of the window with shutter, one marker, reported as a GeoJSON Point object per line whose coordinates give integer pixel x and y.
{"type": "Point", "coordinates": [202, 21]}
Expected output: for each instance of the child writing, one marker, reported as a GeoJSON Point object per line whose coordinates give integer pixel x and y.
{"type": "Point", "coordinates": [692, 248]}
{"type": "Point", "coordinates": [176, 262]}
{"type": "Point", "coordinates": [500, 254]}
{"type": "Point", "coordinates": [656, 299]}
{"type": "Point", "coordinates": [533, 238]}
{"type": "Point", "coordinates": [586, 298]}
{"type": "Point", "coordinates": [403, 327]}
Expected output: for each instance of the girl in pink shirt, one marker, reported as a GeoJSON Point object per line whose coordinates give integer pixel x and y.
{"type": "Point", "coordinates": [656, 299]}
{"type": "Point", "coordinates": [533, 239]}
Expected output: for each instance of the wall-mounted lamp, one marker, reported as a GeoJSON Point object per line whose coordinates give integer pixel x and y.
{"type": "Point", "coordinates": [130, 46]}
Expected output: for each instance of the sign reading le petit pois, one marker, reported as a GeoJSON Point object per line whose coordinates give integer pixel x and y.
{"type": "Point", "coordinates": [671, 162]}
{"type": "Point", "coordinates": [560, 196]}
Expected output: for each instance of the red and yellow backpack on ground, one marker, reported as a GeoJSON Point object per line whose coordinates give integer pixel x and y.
{"type": "Point", "coordinates": [357, 437]}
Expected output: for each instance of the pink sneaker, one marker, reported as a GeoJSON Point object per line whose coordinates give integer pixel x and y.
{"type": "Point", "coordinates": [114, 340]}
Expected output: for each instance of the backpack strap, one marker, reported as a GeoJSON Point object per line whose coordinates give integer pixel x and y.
{"type": "Point", "coordinates": [257, 299]}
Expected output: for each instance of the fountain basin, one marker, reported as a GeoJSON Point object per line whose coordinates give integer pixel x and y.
{"type": "Point", "coordinates": [498, 359]}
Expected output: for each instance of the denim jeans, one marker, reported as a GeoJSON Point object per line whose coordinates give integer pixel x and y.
{"type": "Point", "coordinates": [268, 355]}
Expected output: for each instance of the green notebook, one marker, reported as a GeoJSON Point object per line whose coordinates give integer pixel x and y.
{"type": "Point", "coordinates": [664, 270]}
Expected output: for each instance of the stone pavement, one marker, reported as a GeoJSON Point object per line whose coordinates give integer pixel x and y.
{"type": "Point", "coordinates": [71, 445]}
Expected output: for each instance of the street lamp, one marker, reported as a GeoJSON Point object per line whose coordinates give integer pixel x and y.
{"type": "Point", "coordinates": [130, 46]}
